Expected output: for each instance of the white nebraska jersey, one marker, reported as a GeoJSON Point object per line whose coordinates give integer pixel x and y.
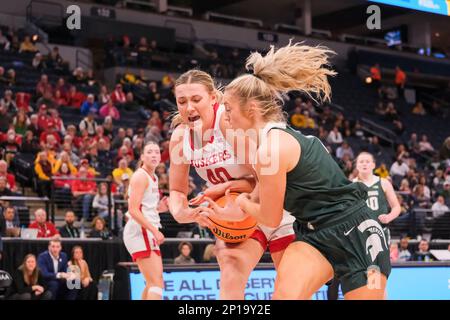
{"type": "Point", "coordinates": [150, 200]}
{"type": "Point", "coordinates": [215, 162]}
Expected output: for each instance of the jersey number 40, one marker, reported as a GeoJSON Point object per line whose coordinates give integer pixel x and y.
{"type": "Point", "coordinates": [218, 175]}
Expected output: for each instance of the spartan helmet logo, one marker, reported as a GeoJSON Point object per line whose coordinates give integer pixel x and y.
{"type": "Point", "coordinates": [374, 243]}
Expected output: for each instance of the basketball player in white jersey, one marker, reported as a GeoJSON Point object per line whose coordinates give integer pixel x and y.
{"type": "Point", "coordinates": [141, 234]}
{"type": "Point", "coordinates": [200, 141]}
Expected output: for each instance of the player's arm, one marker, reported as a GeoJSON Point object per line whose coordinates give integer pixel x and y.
{"type": "Point", "coordinates": [392, 200]}
{"type": "Point", "coordinates": [179, 181]}
{"type": "Point", "coordinates": [274, 160]}
{"type": "Point", "coordinates": [138, 184]}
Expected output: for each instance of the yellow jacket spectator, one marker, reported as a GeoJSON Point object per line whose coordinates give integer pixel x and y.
{"type": "Point", "coordinates": [118, 172]}
{"type": "Point", "coordinates": [43, 167]}
{"type": "Point", "coordinates": [382, 171]}
{"type": "Point", "coordinates": [64, 159]}
{"type": "Point", "coordinates": [90, 170]}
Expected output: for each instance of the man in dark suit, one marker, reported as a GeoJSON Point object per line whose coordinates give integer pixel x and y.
{"type": "Point", "coordinates": [69, 230]}
{"type": "Point", "coordinates": [53, 265]}
{"type": "Point", "coordinates": [9, 222]}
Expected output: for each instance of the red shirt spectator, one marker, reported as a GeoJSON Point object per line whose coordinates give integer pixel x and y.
{"type": "Point", "coordinates": [400, 77]}
{"type": "Point", "coordinates": [11, 180]}
{"type": "Point", "coordinates": [118, 96]}
{"type": "Point", "coordinates": [46, 229]}
{"type": "Point", "coordinates": [50, 132]}
{"type": "Point", "coordinates": [75, 98]}
{"type": "Point", "coordinates": [43, 118]}
{"type": "Point", "coordinates": [44, 86]}
{"type": "Point", "coordinates": [84, 185]}
{"type": "Point", "coordinates": [375, 72]}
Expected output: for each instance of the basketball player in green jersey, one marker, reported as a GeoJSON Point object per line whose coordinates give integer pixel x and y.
{"type": "Point", "coordinates": [381, 194]}
{"type": "Point", "coordinates": [337, 233]}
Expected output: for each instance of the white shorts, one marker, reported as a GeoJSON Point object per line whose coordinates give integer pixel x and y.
{"type": "Point", "coordinates": [276, 239]}
{"type": "Point", "coordinates": [139, 241]}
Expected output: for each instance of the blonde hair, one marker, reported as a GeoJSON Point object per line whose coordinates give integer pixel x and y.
{"type": "Point", "coordinates": [293, 67]}
{"type": "Point", "coordinates": [200, 77]}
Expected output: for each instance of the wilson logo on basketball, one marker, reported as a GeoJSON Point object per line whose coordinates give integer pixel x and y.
{"type": "Point", "coordinates": [227, 235]}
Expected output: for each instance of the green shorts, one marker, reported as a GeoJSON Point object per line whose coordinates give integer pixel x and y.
{"type": "Point", "coordinates": [353, 245]}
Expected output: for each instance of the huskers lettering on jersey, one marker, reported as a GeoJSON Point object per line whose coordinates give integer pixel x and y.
{"type": "Point", "coordinates": [215, 162]}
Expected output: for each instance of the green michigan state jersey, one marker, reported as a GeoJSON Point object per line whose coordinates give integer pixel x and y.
{"type": "Point", "coordinates": [317, 190]}
{"type": "Point", "coordinates": [376, 198]}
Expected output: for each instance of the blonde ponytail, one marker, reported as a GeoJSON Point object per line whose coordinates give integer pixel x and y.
{"type": "Point", "coordinates": [293, 67]}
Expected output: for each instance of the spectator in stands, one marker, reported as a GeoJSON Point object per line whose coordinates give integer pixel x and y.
{"type": "Point", "coordinates": [50, 131]}
{"type": "Point", "coordinates": [404, 254]}
{"type": "Point", "coordinates": [64, 159]}
{"type": "Point", "coordinates": [3, 79]}
{"type": "Point", "coordinates": [46, 229]}
{"type": "Point", "coordinates": [9, 103]}
{"type": "Point", "coordinates": [185, 250]}
{"type": "Point", "coordinates": [153, 93]}
{"type": "Point", "coordinates": [400, 80]}
{"type": "Point", "coordinates": [413, 144]}
{"type": "Point", "coordinates": [103, 96]}
{"type": "Point", "coordinates": [153, 133]}
{"type": "Point", "coordinates": [393, 249]}
{"type": "Point", "coordinates": [89, 106]}
{"type": "Point", "coordinates": [28, 282]}
{"type": "Point", "coordinates": [382, 171]}
{"type": "Point", "coordinates": [4, 42]}
{"type": "Point", "coordinates": [420, 199]}
{"type": "Point", "coordinates": [120, 170]}
{"type": "Point", "coordinates": [43, 86]}
{"type": "Point", "coordinates": [374, 146]}
{"type": "Point", "coordinates": [47, 100]}
{"type": "Point", "coordinates": [21, 122]}
{"type": "Point", "coordinates": [30, 143]}
{"type": "Point", "coordinates": [62, 88]}
{"type": "Point", "coordinates": [108, 126]}
{"type": "Point", "coordinates": [423, 253]}
{"type": "Point", "coordinates": [5, 118]}
{"type": "Point", "coordinates": [109, 109]}
{"type": "Point", "coordinates": [63, 187]}
{"type": "Point", "coordinates": [130, 104]}
{"type": "Point", "coordinates": [296, 118]}
{"type": "Point", "coordinates": [12, 78]}
{"type": "Point", "coordinates": [404, 187]}
{"type": "Point", "coordinates": [80, 267]}
{"type": "Point", "coordinates": [9, 223]}
{"type": "Point", "coordinates": [345, 149]}
{"type": "Point", "coordinates": [10, 178]}
{"type": "Point", "coordinates": [34, 125]}
{"type": "Point", "coordinates": [118, 139]}
{"type": "Point", "coordinates": [38, 62]}
{"type": "Point", "coordinates": [69, 230]}
{"type": "Point", "coordinates": [118, 96]}
{"type": "Point", "coordinates": [444, 151]}
{"type": "Point", "coordinates": [53, 263]}
{"type": "Point", "coordinates": [43, 170]}
{"type": "Point", "coordinates": [11, 146]}
{"type": "Point", "coordinates": [439, 208]}
{"type": "Point", "coordinates": [75, 98]}
{"type": "Point", "coordinates": [399, 168]}
{"type": "Point", "coordinates": [101, 201]}
{"type": "Point", "coordinates": [84, 191]}
{"type": "Point", "coordinates": [77, 76]}
{"type": "Point", "coordinates": [425, 146]}
{"type": "Point", "coordinates": [55, 61]}
{"type": "Point", "coordinates": [89, 123]}
{"type": "Point", "coordinates": [4, 190]}
{"type": "Point", "coordinates": [122, 188]}
{"type": "Point", "coordinates": [27, 45]}
{"type": "Point", "coordinates": [375, 74]}
{"type": "Point", "coordinates": [99, 229]}
{"type": "Point", "coordinates": [419, 109]}
{"type": "Point", "coordinates": [335, 137]}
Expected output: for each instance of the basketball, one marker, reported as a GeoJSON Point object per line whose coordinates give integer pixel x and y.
{"type": "Point", "coordinates": [232, 231]}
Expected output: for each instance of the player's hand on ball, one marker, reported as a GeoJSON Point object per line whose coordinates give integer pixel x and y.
{"type": "Point", "coordinates": [230, 212]}
{"type": "Point", "coordinates": [213, 192]}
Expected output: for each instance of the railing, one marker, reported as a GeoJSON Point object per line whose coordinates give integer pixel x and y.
{"type": "Point", "coordinates": [63, 198]}
{"type": "Point", "coordinates": [213, 15]}
{"type": "Point", "coordinates": [22, 207]}
{"type": "Point", "coordinates": [378, 130]}
{"type": "Point", "coordinates": [282, 27]}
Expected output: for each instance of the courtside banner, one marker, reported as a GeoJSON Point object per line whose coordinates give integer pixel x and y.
{"type": "Point", "coordinates": [405, 283]}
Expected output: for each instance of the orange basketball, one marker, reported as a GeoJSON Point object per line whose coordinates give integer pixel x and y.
{"type": "Point", "coordinates": [233, 231]}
